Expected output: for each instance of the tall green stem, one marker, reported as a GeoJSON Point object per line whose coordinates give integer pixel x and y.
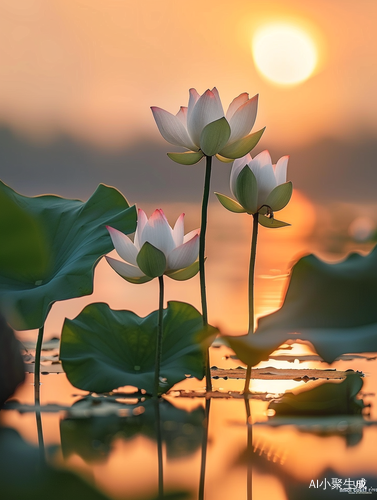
{"type": "Point", "coordinates": [159, 337]}
{"type": "Point", "coordinates": [202, 241]}
{"type": "Point", "coordinates": [253, 254]}
{"type": "Point", "coordinates": [37, 366]}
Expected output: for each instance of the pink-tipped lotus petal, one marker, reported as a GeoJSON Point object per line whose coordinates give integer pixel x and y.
{"type": "Point", "coordinates": [142, 220]}
{"type": "Point", "coordinates": [243, 119]}
{"type": "Point", "coordinates": [182, 116]}
{"type": "Point", "coordinates": [189, 236]}
{"type": "Point", "coordinates": [158, 233]}
{"type": "Point", "coordinates": [235, 104]}
{"type": "Point", "coordinates": [125, 270]}
{"type": "Point", "coordinates": [281, 170]}
{"type": "Point", "coordinates": [193, 99]}
{"type": "Point", "coordinates": [237, 166]}
{"type": "Point", "coordinates": [123, 245]}
{"type": "Point", "coordinates": [207, 109]}
{"type": "Point", "coordinates": [178, 230]}
{"type": "Point", "coordinates": [172, 129]}
{"type": "Point", "coordinates": [184, 255]}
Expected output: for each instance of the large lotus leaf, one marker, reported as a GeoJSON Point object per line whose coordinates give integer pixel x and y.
{"type": "Point", "coordinates": [92, 438]}
{"type": "Point", "coordinates": [329, 398]}
{"type": "Point", "coordinates": [17, 226]}
{"type": "Point", "coordinates": [102, 349]}
{"type": "Point", "coordinates": [23, 476]}
{"type": "Point", "coordinates": [12, 372]}
{"type": "Point", "coordinates": [74, 237]}
{"type": "Point", "coordinates": [333, 306]}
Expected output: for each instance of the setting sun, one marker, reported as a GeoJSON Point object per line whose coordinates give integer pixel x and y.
{"type": "Point", "coordinates": [284, 53]}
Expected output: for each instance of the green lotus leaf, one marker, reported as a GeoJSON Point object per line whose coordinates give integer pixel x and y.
{"type": "Point", "coordinates": [229, 204]}
{"type": "Point", "coordinates": [329, 398]}
{"type": "Point", "coordinates": [92, 438]}
{"type": "Point", "coordinates": [240, 148]}
{"type": "Point", "coordinates": [186, 158]}
{"type": "Point", "coordinates": [24, 476]}
{"type": "Point", "coordinates": [74, 239]}
{"type": "Point", "coordinates": [280, 196]}
{"type": "Point", "coordinates": [247, 190]}
{"type": "Point", "coordinates": [271, 222]}
{"type": "Point", "coordinates": [102, 349]}
{"type": "Point", "coordinates": [151, 260]}
{"type": "Point", "coordinates": [12, 371]}
{"type": "Point", "coordinates": [17, 226]}
{"type": "Point", "coordinates": [332, 306]}
{"type": "Point", "coordinates": [214, 136]}
{"type": "Point", "coordinates": [186, 273]}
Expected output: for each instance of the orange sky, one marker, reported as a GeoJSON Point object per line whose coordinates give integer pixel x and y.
{"type": "Point", "coordinates": [92, 68]}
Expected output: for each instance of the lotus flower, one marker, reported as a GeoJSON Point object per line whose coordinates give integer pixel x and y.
{"type": "Point", "coordinates": [204, 131]}
{"type": "Point", "coordinates": [157, 249]}
{"type": "Point", "coordinates": [259, 187]}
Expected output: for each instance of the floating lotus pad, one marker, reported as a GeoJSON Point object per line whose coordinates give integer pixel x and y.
{"type": "Point", "coordinates": [332, 306]}
{"type": "Point", "coordinates": [74, 238]}
{"type": "Point", "coordinates": [102, 349]}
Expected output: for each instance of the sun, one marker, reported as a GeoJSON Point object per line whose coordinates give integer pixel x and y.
{"type": "Point", "coordinates": [284, 53]}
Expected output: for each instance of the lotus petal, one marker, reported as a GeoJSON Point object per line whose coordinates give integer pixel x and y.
{"type": "Point", "coordinates": [207, 109]}
{"type": "Point", "coordinates": [172, 129]}
{"type": "Point", "coordinates": [123, 245]}
{"type": "Point", "coordinates": [243, 119]}
{"type": "Point", "coordinates": [235, 104]}
{"type": "Point", "coordinates": [184, 255]}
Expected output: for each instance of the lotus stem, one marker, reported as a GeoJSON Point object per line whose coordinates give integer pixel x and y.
{"type": "Point", "coordinates": [37, 366]}
{"type": "Point", "coordinates": [202, 241]}
{"type": "Point", "coordinates": [159, 336]}
{"type": "Point", "coordinates": [253, 254]}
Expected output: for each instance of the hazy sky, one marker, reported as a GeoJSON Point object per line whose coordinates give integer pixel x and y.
{"type": "Point", "coordinates": [92, 68]}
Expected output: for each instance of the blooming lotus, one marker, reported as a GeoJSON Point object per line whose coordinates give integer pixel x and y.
{"type": "Point", "coordinates": [259, 187]}
{"type": "Point", "coordinates": [157, 249]}
{"type": "Point", "coordinates": [203, 129]}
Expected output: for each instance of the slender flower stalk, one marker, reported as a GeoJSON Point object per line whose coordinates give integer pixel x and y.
{"type": "Point", "coordinates": [37, 366]}
{"type": "Point", "coordinates": [253, 254]}
{"type": "Point", "coordinates": [202, 242]}
{"type": "Point", "coordinates": [159, 336]}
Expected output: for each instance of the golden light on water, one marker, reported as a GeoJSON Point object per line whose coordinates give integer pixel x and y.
{"type": "Point", "coordinates": [285, 54]}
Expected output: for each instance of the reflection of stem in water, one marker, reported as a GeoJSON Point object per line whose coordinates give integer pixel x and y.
{"type": "Point", "coordinates": [202, 242]}
{"type": "Point", "coordinates": [249, 481]}
{"type": "Point", "coordinates": [159, 452]}
{"type": "Point", "coordinates": [253, 254]}
{"type": "Point", "coordinates": [37, 383]}
{"type": "Point", "coordinates": [41, 445]}
{"type": "Point", "coordinates": [204, 451]}
{"type": "Point", "coordinates": [159, 337]}
{"type": "Point", "coordinates": [37, 365]}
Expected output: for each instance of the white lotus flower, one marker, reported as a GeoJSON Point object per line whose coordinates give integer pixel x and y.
{"type": "Point", "coordinates": [259, 187]}
{"type": "Point", "coordinates": [157, 249]}
{"type": "Point", "coordinates": [203, 129]}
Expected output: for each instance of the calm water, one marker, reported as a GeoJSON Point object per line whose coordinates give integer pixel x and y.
{"type": "Point", "coordinates": [243, 462]}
